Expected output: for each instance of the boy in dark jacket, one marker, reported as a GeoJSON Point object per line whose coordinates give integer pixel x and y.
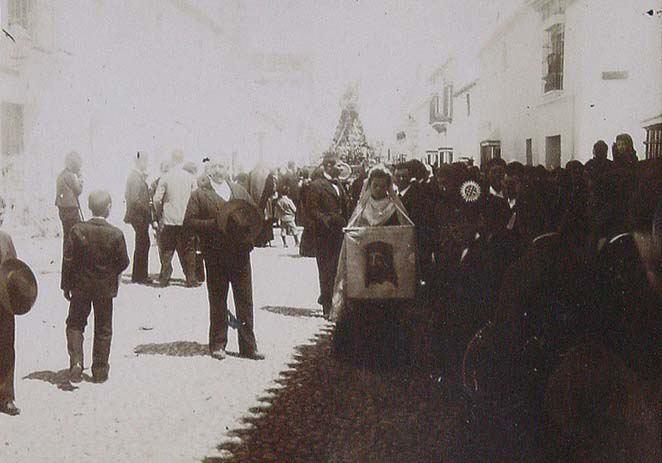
{"type": "Point", "coordinates": [91, 278]}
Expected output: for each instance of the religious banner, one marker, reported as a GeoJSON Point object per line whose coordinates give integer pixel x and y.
{"type": "Point", "coordinates": [381, 262]}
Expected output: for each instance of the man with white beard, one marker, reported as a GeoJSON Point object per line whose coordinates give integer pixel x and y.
{"type": "Point", "coordinates": [226, 255]}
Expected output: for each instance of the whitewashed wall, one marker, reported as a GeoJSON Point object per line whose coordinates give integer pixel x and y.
{"type": "Point", "coordinates": [600, 36]}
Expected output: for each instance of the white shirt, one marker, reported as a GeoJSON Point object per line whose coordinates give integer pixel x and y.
{"type": "Point", "coordinates": [404, 191]}
{"type": "Point", "coordinates": [330, 179]}
{"type": "Point", "coordinates": [223, 190]}
{"type": "Point", "coordinates": [493, 192]}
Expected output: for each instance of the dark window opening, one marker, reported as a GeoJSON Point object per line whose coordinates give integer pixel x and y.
{"type": "Point", "coordinates": [553, 152]}
{"type": "Point", "coordinates": [529, 152]}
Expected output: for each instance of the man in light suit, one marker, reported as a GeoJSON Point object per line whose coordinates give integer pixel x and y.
{"type": "Point", "coordinates": [172, 195]}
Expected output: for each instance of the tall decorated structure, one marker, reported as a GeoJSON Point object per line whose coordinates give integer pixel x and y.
{"type": "Point", "coordinates": [349, 141]}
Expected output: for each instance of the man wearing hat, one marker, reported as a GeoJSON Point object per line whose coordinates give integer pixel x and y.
{"type": "Point", "coordinates": [18, 292]}
{"type": "Point", "coordinates": [328, 209]}
{"type": "Point", "coordinates": [92, 269]}
{"type": "Point", "coordinates": [224, 216]}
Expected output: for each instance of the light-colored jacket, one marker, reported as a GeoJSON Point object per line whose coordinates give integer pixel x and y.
{"type": "Point", "coordinates": [173, 193]}
{"type": "Point", "coordinates": [285, 210]}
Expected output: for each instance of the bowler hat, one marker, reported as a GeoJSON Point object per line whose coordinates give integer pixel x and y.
{"type": "Point", "coordinates": [18, 287]}
{"type": "Point", "coordinates": [240, 221]}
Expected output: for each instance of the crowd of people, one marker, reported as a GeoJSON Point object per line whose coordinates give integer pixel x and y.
{"type": "Point", "coordinates": [520, 270]}
{"type": "Point", "coordinates": [539, 292]}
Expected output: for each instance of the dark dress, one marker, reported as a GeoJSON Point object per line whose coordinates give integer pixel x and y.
{"type": "Point", "coordinates": [374, 334]}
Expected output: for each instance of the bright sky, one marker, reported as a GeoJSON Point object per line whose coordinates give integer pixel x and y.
{"type": "Point", "coordinates": [387, 46]}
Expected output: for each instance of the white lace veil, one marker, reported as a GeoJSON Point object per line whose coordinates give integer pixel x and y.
{"type": "Point", "coordinates": [366, 193]}
{"type": "Point", "coordinates": [338, 301]}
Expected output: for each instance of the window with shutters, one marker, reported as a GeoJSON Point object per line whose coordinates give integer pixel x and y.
{"type": "Point", "coordinates": [654, 141]}
{"type": "Point", "coordinates": [448, 103]}
{"type": "Point", "coordinates": [18, 12]}
{"type": "Point", "coordinates": [435, 109]}
{"type": "Point", "coordinates": [553, 58]}
{"type": "Point", "coordinates": [489, 149]}
{"type": "Point", "coordinates": [441, 107]}
{"type": "Point", "coordinates": [12, 129]}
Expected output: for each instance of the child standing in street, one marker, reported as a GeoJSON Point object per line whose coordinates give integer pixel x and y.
{"type": "Point", "coordinates": [91, 279]}
{"type": "Point", "coordinates": [285, 212]}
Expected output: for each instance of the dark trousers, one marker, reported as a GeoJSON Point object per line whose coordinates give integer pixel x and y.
{"type": "Point", "coordinates": [177, 238]}
{"type": "Point", "coordinates": [140, 252]}
{"type": "Point", "coordinates": [79, 310]}
{"type": "Point", "coordinates": [7, 356]}
{"type": "Point", "coordinates": [224, 269]}
{"type": "Point", "coordinates": [69, 216]}
{"type": "Point", "coordinates": [199, 261]}
{"type": "Point", "coordinates": [327, 256]}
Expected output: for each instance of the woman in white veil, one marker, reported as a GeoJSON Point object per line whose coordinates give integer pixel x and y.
{"type": "Point", "coordinates": [378, 206]}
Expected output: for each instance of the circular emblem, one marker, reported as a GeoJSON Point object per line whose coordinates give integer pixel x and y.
{"type": "Point", "coordinates": [470, 191]}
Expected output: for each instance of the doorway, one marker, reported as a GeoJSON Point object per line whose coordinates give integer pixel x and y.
{"type": "Point", "coordinates": [553, 152]}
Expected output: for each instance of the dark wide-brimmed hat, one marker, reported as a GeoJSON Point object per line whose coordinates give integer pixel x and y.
{"type": "Point", "coordinates": [18, 287]}
{"type": "Point", "coordinates": [240, 221]}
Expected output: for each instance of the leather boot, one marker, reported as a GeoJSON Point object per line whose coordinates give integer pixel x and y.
{"type": "Point", "coordinates": [75, 348]}
{"type": "Point", "coordinates": [100, 355]}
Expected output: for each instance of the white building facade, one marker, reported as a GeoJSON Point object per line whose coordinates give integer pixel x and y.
{"type": "Point", "coordinates": [441, 124]}
{"type": "Point", "coordinates": [561, 74]}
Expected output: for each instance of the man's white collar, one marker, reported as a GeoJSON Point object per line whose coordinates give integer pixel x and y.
{"type": "Point", "coordinates": [493, 192]}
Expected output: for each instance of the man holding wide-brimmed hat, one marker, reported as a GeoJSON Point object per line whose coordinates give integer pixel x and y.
{"type": "Point", "coordinates": [224, 216]}
{"type": "Point", "coordinates": [18, 292]}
